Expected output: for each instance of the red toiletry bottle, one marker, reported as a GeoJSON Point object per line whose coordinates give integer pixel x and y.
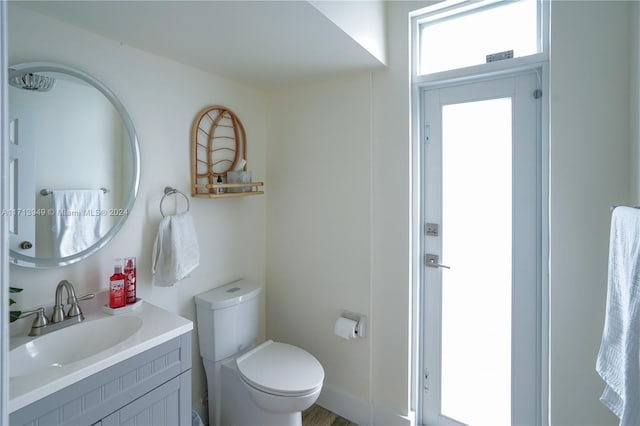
{"type": "Point", "coordinates": [130, 280]}
{"type": "Point", "coordinates": [116, 288]}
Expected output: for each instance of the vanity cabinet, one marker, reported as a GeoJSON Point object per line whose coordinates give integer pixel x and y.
{"type": "Point", "coordinates": [161, 406]}
{"type": "Point", "coordinates": [152, 388]}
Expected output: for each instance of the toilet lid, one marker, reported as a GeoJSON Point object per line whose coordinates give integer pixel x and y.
{"type": "Point", "coordinates": [281, 369]}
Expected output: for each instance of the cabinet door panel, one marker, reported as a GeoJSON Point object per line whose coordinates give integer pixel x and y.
{"type": "Point", "coordinates": [162, 406]}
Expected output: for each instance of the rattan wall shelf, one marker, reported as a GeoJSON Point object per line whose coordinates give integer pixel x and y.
{"type": "Point", "coordinates": [251, 186]}
{"type": "Point", "coordinates": [219, 145]}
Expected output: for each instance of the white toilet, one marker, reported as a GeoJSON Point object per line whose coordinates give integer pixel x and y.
{"type": "Point", "coordinates": [265, 385]}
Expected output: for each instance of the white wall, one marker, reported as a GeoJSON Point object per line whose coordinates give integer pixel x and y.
{"type": "Point", "coordinates": [590, 171]}
{"type": "Point", "coordinates": [391, 211]}
{"type": "Point", "coordinates": [338, 228]}
{"type": "Point", "coordinates": [162, 98]}
{"type": "Point", "coordinates": [364, 21]}
{"type": "Point", "coordinates": [634, 110]}
{"type": "Point", "coordinates": [319, 223]}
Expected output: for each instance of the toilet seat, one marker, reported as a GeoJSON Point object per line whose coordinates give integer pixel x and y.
{"type": "Point", "coordinates": [281, 369]}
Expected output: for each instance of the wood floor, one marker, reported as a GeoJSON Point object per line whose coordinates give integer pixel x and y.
{"type": "Point", "coordinates": [318, 416]}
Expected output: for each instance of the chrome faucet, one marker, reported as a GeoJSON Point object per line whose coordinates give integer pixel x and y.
{"type": "Point", "coordinates": [58, 308]}
{"type": "Point", "coordinates": [59, 319]}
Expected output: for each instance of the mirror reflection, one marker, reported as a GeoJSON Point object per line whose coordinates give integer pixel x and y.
{"type": "Point", "coordinates": [74, 165]}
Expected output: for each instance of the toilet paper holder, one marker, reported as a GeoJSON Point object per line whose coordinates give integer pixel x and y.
{"type": "Point", "coordinates": [361, 322]}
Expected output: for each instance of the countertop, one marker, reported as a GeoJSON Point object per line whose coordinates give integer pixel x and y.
{"type": "Point", "coordinates": [158, 326]}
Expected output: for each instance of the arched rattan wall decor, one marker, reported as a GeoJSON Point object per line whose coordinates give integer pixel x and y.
{"type": "Point", "coordinates": [218, 145]}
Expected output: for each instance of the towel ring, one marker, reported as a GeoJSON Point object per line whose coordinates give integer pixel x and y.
{"type": "Point", "coordinates": [169, 191]}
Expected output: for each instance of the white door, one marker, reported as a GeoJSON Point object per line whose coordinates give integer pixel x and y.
{"type": "Point", "coordinates": [22, 184]}
{"type": "Point", "coordinates": [482, 239]}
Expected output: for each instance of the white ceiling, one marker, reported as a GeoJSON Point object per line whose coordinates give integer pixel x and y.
{"type": "Point", "coordinates": [265, 44]}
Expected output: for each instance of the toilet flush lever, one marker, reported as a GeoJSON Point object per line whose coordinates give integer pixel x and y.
{"type": "Point", "coordinates": [433, 261]}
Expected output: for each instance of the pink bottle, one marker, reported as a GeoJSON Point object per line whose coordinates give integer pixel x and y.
{"type": "Point", "coordinates": [130, 280]}
{"type": "Point", "coordinates": [116, 288]}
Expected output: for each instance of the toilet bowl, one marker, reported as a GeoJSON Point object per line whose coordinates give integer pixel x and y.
{"type": "Point", "coordinates": [269, 386]}
{"type": "Point", "coordinates": [265, 385]}
{"type": "Point", "coordinates": [281, 377]}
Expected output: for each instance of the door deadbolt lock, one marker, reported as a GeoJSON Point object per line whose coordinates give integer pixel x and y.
{"type": "Point", "coordinates": [26, 245]}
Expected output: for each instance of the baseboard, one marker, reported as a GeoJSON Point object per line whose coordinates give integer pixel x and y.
{"type": "Point", "coordinates": [345, 405]}
{"type": "Point", "coordinates": [383, 416]}
{"type": "Point", "coordinates": [358, 410]}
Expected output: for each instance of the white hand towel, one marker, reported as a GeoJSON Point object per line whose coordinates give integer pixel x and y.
{"type": "Point", "coordinates": [175, 252]}
{"type": "Point", "coordinates": [619, 356]}
{"type": "Point", "coordinates": [76, 222]}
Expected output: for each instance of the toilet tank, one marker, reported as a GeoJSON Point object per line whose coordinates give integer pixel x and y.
{"type": "Point", "coordinates": [228, 319]}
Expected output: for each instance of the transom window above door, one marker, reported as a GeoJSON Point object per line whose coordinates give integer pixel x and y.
{"type": "Point", "coordinates": [458, 34]}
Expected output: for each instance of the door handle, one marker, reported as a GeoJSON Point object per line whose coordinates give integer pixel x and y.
{"type": "Point", "coordinates": [433, 261]}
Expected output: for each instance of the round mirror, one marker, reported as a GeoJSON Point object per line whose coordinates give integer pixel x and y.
{"type": "Point", "coordinates": [74, 165]}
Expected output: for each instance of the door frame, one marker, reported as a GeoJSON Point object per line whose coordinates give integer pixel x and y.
{"type": "Point", "coordinates": [419, 86]}
{"type": "Point", "coordinates": [4, 223]}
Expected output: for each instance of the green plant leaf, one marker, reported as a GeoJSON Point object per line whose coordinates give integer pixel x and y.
{"type": "Point", "coordinates": [14, 315]}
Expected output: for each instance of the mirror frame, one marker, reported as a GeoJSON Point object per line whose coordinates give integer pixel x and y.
{"type": "Point", "coordinates": [134, 149]}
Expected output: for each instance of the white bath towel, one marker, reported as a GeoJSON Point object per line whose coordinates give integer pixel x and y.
{"type": "Point", "coordinates": [175, 252]}
{"type": "Point", "coordinates": [76, 221]}
{"type": "Point", "coordinates": [619, 356]}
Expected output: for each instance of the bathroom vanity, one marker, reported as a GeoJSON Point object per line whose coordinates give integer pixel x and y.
{"type": "Point", "coordinates": [143, 377]}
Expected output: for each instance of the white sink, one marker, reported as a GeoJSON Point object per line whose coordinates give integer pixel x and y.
{"type": "Point", "coordinates": [71, 344]}
{"type": "Point", "coordinates": [40, 366]}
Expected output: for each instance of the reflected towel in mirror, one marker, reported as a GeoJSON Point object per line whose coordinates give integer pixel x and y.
{"type": "Point", "coordinates": [175, 252]}
{"type": "Point", "coordinates": [76, 221]}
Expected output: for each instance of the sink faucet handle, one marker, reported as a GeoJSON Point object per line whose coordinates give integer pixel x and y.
{"type": "Point", "coordinates": [86, 297]}
{"type": "Point", "coordinates": [75, 310]}
{"type": "Point", "coordinates": [38, 322]}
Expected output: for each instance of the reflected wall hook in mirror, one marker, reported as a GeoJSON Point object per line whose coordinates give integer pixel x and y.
{"type": "Point", "coordinates": [169, 191]}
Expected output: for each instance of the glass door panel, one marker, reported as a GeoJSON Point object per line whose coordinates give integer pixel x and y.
{"type": "Point", "coordinates": [476, 241]}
